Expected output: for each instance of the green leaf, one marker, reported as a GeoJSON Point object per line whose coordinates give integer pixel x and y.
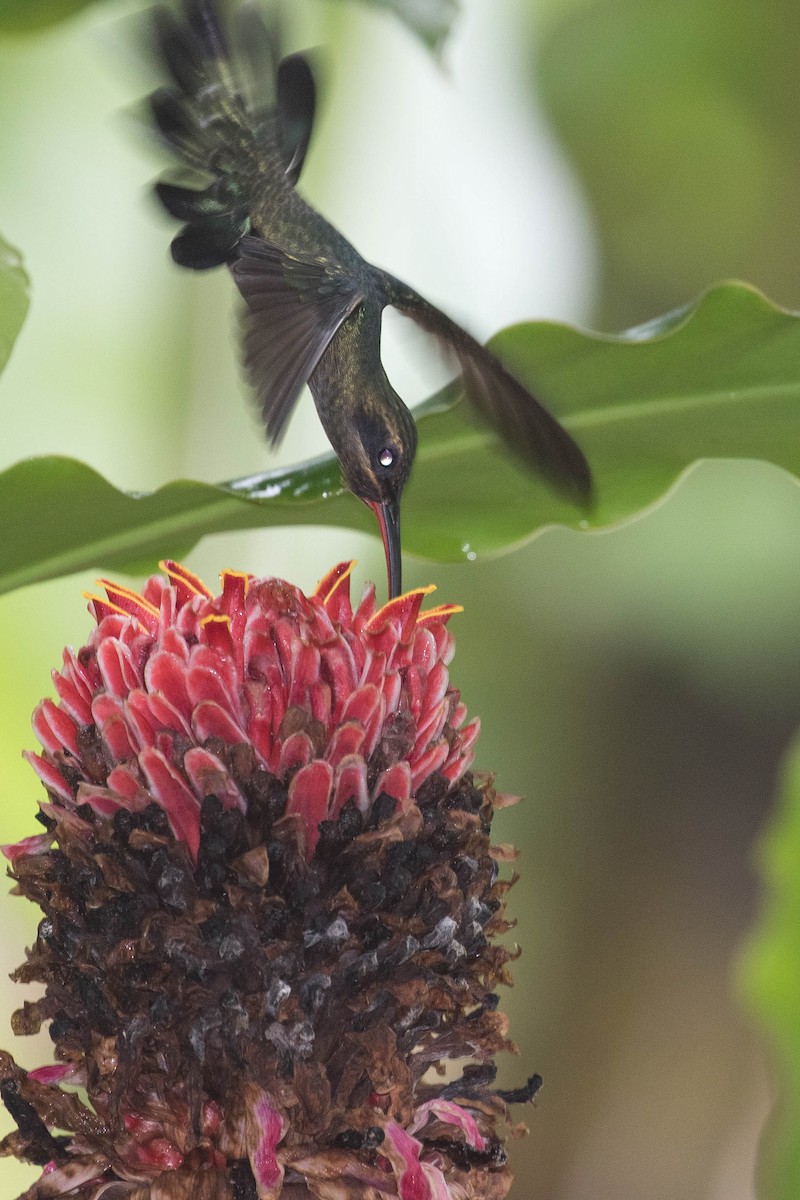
{"type": "Point", "coordinates": [771, 973]}
{"type": "Point", "coordinates": [24, 16]}
{"type": "Point", "coordinates": [720, 379]}
{"type": "Point", "coordinates": [430, 20]}
{"type": "Point", "coordinates": [13, 299]}
{"type": "Point", "coordinates": [62, 516]}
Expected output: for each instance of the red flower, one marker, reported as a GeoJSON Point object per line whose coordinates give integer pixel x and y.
{"type": "Point", "coordinates": [314, 687]}
{"type": "Point", "coordinates": [269, 902]}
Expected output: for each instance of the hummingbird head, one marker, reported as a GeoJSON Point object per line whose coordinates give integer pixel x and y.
{"type": "Point", "coordinates": [376, 459]}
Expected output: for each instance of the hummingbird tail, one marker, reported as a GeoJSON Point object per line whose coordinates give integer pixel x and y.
{"type": "Point", "coordinates": [230, 114]}
{"type": "Point", "coordinates": [528, 430]}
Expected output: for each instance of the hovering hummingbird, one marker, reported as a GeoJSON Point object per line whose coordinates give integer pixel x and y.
{"type": "Point", "coordinates": [313, 304]}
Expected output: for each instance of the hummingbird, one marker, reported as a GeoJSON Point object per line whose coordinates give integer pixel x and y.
{"type": "Point", "coordinates": [312, 305]}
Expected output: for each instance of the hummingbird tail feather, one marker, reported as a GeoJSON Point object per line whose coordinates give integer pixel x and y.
{"type": "Point", "coordinates": [527, 428]}
{"type": "Point", "coordinates": [214, 119]}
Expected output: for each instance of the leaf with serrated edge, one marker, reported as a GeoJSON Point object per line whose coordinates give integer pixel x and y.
{"type": "Point", "coordinates": [720, 379]}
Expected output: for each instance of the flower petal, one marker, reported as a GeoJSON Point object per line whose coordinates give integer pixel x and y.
{"type": "Point", "coordinates": [338, 667]}
{"type": "Point", "coordinates": [347, 739]}
{"type": "Point", "coordinates": [437, 1182]}
{"type": "Point", "coordinates": [67, 1180]}
{"type": "Point", "coordinates": [124, 782]}
{"type": "Point", "coordinates": [365, 705]}
{"type": "Point", "coordinates": [56, 1073]}
{"type": "Point", "coordinates": [125, 600]}
{"type": "Point", "coordinates": [210, 777]}
{"type": "Point", "coordinates": [178, 802]}
{"type": "Point", "coordinates": [117, 669]}
{"type": "Point", "coordinates": [38, 843]}
{"type": "Point", "coordinates": [305, 671]}
{"type": "Point", "coordinates": [111, 719]}
{"type": "Point", "coordinates": [186, 584]}
{"type": "Point", "coordinates": [403, 1151]}
{"type": "Point", "coordinates": [452, 1114]}
{"type": "Point", "coordinates": [210, 720]}
{"type": "Point", "coordinates": [296, 751]}
{"type": "Point", "coordinates": [54, 728]}
{"type": "Point", "coordinates": [265, 1128]}
{"type": "Point", "coordinates": [75, 697]}
{"type": "Point", "coordinates": [428, 763]}
{"type": "Point", "coordinates": [309, 796]}
{"type": "Point", "coordinates": [101, 799]}
{"type": "Point", "coordinates": [166, 673]}
{"type": "Point", "coordinates": [396, 782]}
{"type": "Point", "coordinates": [335, 584]}
{"type": "Point", "coordinates": [436, 685]}
{"type": "Point", "coordinates": [50, 776]}
{"type": "Point", "coordinates": [351, 784]}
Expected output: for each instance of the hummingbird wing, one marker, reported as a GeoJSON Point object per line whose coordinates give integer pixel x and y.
{"type": "Point", "coordinates": [529, 431]}
{"type": "Point", "coordinates": [297, 98]}
{"type": "Point", "coordinates": [294, 307]}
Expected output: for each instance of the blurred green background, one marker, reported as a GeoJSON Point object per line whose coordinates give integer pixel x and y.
{"type": "Point", "coordinates": [596, 161]}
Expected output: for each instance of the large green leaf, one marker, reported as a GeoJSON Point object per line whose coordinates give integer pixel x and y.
{"type": "Point", "coordinates": [13, 299]}
{"type": "Point", "coordinates": [771, 970]}
{"type": "Point", "coordinates": [721, 379]}
{"type": "Point", "coordinates": [23, 16]}
{"type": "Point", "coordinates": [428, 19]}
{"type": "Point", "coordinates": [61, 516]}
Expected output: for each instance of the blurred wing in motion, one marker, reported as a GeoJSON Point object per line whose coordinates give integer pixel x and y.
{"type": "Point", "coordinates": [293, 310]}
{"type": "Point", "coordinates": [527, 428]}
{"type": "Point", "coordinates": [297, 99]}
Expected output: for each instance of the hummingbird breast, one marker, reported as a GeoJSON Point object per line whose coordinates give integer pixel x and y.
{"type": "Point", "coordinates": [350, 373]}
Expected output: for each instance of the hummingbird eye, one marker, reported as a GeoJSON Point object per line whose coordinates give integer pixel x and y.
{"type": "Point", "coordinates": [387, 457]}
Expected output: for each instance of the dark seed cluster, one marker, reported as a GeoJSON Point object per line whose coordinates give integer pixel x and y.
{"type": "Point", "coordinates": [341, 986]}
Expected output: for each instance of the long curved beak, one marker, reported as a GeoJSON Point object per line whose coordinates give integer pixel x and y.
{"type": "Point", "coordinates": [388, 514]}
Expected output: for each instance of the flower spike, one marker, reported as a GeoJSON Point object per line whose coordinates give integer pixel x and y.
{"type": "Point", "coordinates": [270, 904]}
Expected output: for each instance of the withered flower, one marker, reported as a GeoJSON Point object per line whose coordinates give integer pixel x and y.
{"type": "Point", "coordinates": [269, 901]}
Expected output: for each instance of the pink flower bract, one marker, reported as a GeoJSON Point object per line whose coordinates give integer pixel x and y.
{"type": "Point", "coordinates": [350, 704]}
